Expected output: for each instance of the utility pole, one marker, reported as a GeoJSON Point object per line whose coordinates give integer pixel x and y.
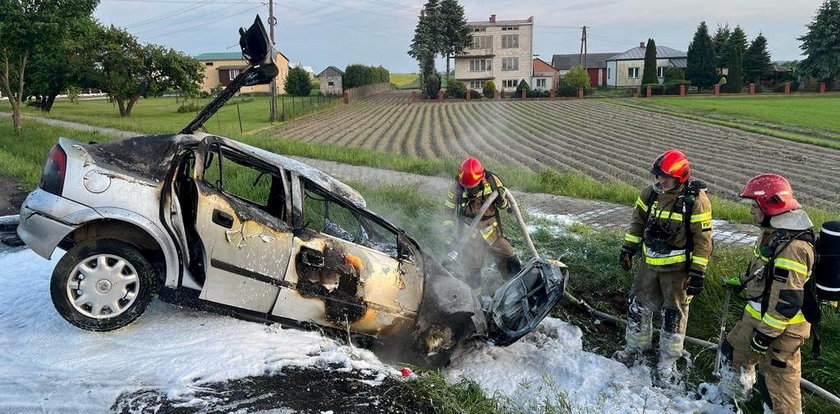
{"type": "Point", "coordinates": [583, 47]}
{"type": "Point", "coordinates": [272, 112]}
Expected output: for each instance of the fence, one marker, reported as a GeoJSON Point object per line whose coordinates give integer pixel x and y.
{"type": "Point", "coordinates": [291, 107]}
{"type": "Point", "coordinates": [360, 92]}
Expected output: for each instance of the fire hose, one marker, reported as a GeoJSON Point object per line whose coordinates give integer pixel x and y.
{"type": "Point", "coordinates": [808, 385]}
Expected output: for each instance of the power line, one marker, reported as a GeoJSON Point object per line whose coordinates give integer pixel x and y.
{"type": "Point", "coordinates": [175, 19]}
{"type": "Point", "coordinates": [204, 25]}
{"type": "Point", "coordinates": [178, 1]}
{"type": "Point", "coordinates": [163, 16]}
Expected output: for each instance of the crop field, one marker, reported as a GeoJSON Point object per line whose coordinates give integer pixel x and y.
{"type": "Point", "coordinates": [602, 140]}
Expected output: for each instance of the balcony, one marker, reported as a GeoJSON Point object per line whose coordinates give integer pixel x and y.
{"type": "Point", "coordinates": [479, 52]}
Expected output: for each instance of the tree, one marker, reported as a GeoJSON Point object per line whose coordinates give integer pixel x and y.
{"type": "Point", "coordinates": [455, 34]}
{"type": "Point", "coordinates": [522, 86]}
{"type": "Point", "coordinates": [127, 70]}
{"type": "Point", "coordinates": [720, 43]}
{"type": "Point", "coordinates": [649, 75]}
{"type": "Point", "coordinates": [489, 90]}
{"type": "Point", "coordinates": [24, 26]}
{"type": "Point", "coordinates": [821, 44]}
{"type": "Point", "coordinates": [427, 40]}
{"type": "Point", "coordinates": [65, 64]}
{"type": "Point", "coordinates": [757, 60]}
{"type": "Point", "coordinates": [736, 46]}
{"type": "Point", "coordinates": [297, 82]}
{"type": "Point", "coordinates": [701, 59]}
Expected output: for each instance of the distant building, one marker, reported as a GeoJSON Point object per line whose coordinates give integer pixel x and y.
{"type": "Point", "coordinates": [596, 66]}
{"type": "Point", "coordinates": [501, 51]}
{"type": "Point", "coordinates": [331, 81]}
{"type": "Point", "coordinates": [221, 68]}
{"type": "Point", "coordinates": [626, 69]}
{"type": "Point", "coordinates": [545, 76]}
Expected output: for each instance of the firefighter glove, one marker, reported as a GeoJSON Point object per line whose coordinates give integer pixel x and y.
{"type": "Point", "coordinates": [626, 258]}
{"type": "Point", "coordinates": [760, 342]}
{"type": "Point", "coordinates": [695, 283]}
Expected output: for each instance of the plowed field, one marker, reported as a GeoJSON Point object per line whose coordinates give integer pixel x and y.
{"type": "Point", "coordinates": [593, 137]}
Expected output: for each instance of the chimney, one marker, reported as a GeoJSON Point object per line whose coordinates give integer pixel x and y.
{"type": "Point", "coordinates": [492, 18]}
{"type": "Point", "coordinates": [642, 45]}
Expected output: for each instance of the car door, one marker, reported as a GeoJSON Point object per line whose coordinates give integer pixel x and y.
{"type": "Point", "coordinates": [241, 219]}
{"type": "Point", "coordinates": [345, 269]}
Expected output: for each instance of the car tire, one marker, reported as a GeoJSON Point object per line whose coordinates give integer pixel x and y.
{"type": "Point", "coordinates": [97, 276]}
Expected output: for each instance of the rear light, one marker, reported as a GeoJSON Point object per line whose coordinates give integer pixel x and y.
{"type": "Point", "coordinates": [52, 179]}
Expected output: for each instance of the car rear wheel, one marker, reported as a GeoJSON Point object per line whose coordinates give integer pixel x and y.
{"type": "Point", "coordinates": [102, 285]}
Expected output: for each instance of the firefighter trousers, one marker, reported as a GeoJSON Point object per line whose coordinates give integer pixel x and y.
{"type": "Point", "coordinates": [779, 370]}
{"type": "Point", "coordinates": [501, 251]}
{"type": "Point", "coordinates": [657, 290]}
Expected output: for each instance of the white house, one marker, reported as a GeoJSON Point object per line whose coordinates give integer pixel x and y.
{"type": "Point", "coordinates": [501, 51]}
{"type": "Point", "coordinates": [626, 69]}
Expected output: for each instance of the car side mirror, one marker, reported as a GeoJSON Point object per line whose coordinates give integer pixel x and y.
{"type": "Point", "coordinates": [255, 44]}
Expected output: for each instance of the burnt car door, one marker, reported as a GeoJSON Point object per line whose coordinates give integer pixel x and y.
{"type": "Point", "coordinates": [242, 221]}
{"type": "Point", "coordinates": [348, 268]}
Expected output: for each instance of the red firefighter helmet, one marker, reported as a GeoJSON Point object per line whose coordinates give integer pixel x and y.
{"type": "Point", "coordinates": [470, 173]}
{"type": "Point", "coordinates": [672, 163]}
{"type": "Point", "coordinates": [772, 192]}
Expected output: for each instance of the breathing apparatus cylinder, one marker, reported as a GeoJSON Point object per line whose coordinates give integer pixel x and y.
{"type": "Point", "coordinates": [827, 271]}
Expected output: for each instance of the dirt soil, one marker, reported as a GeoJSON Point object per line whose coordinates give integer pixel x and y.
{"type": "Point", "coordinates": [11, 196]}
{"type": "Point", "coordinates": [310, 390]}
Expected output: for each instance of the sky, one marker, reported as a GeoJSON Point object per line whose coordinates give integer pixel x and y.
{"type": "Point", "coordinates": [320, 33]}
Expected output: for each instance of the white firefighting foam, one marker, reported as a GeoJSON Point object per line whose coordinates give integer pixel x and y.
{"type": "Point", "coordinates": [49, 365]}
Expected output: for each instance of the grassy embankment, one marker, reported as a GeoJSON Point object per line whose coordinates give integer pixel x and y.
{"type": "Point", "coordinates": [590, 254]}
{"type": "Point", "coordinates": [810, 119]}
{"type": "Point", "coordinates": [160, 116]}
{"type": "Point", "coordinates": [406, 80]}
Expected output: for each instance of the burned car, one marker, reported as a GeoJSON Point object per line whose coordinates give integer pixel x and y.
{"type": "Point", "coordinates": [209, 222]}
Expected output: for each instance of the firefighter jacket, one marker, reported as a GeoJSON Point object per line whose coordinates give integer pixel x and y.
{"type": "Point", "coordinates": [460, 209]}
{"type": "Point", "coordinates": [659, 225]}
{"type": "Point", "coordinates": [775, 294]}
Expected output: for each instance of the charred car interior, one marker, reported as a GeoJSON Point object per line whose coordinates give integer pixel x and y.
{"type": "Point", "coordinates": [209, 222]}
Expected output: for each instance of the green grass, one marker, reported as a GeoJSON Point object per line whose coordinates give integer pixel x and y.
{"type": "Point", "coordinates": [806, 119]}
{"type": "Point", "coordinates": [406, 80]}
{"type": "Point", "coordinates": [160, 116]}
{"type": "Point", "coordinates": [819, 112]}
{"type": "Point", "coordinates": [590, 254]}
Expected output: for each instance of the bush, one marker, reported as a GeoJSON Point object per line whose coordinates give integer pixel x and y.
{"type": "Point", "coordinates": [456, 89]}
{"type": "Point", "coordinates": [356, 75]}
{"type": "Point", "coordinates": [655, 89]}
{"type": "Point", "coordinates": [523, 86]}
{"type": "Point", "coordinates": [673, 87]}
{"type": "Point", "coordinates": [432, 86]}
{"type": "Point", "coordinates": [566, 90]}
{"type": "Point", "coordinates": [189, 107]}
{"type": "Point", "coordinates": [489, 89]}
{"type": "Point", "coordinates": [297, 83]}
{"type": "Point", "coordinates": [577, 77]}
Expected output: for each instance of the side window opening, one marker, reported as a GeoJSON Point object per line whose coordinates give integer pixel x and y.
{"type": "Point", "coordinates": [325, 214]}
{"type": "Point", "coordinates": [238, 176]}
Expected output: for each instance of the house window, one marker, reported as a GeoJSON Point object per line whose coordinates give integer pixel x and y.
{"type": "Point", "coordinates": [233, 73]}
{"type": "Point", "coordinates": [330, 83]}
{"type": "Point", "coordinates": [476, 85]}
{"type": "Point", "coordinates": [479, 29]}
{"type": "Point", "coordinates": [509, 64]}
{"type": "Point", "coordinates": [482, 42]}
{"type": "Point", "coordinates": [509, 83]}
{"type": "Point", "coordinates": [660, 71]}
{"type": "Point", "coordinates": [609, 73]}
{"type": "Point", "coordinates": [541, 83]}
{"type": "Point", "coordinates": [208, 63]}
{"type": "Point", "coordinates": [633, 73]}
{"type": "Point", "coordinates": [510, 41]}
{"type": "Point", "coordinates": [510, 28]}
{"type": "Point", "coordinates": [480, 65]}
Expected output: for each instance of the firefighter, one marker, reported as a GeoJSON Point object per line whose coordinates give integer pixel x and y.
{"type": "Point", "coordinates": [672, 226]}
{"type": "Point", "coordinates": [773, 327]}
{"type": "Point", "coordinates": [463, 202]}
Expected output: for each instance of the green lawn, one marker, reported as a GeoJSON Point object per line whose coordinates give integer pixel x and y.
{"type": "Point", "coordinates": [160, 115]}
{"type": "Point", "coordinates": [817, 112]}
{"type": "Point", "coordinates": [405, 80]}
